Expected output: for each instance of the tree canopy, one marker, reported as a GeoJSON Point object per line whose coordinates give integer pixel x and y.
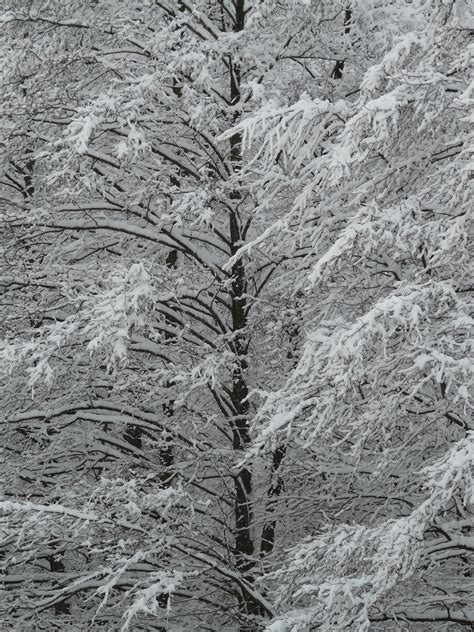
{"type": "Point", "coordinates": [236, 296]}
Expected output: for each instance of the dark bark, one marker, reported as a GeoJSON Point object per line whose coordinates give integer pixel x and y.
{"type": "Point", "coordinates": [339, 67]}
{"type": "Point", "coordinates": [166, 452]}
{"type": "Point", "coordinates": [275, 489]}
{"type": "Point", "coordinates": [244, 546]}
{"type": "Point", "coordinates": [56, 565]}
{"type": "Point", "coordinates": [133, 436]}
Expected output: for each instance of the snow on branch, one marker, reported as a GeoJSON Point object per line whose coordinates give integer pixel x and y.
{"type": "Point", "coordinates": [104, 321]}
{"type": "Point", "coordinates": [337, 357]}
{"type": "Point", "coordinates": [336, 578]}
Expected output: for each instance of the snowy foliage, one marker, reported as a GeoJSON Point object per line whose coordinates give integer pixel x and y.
{"type": "Point", "coordinates": [237, 316]}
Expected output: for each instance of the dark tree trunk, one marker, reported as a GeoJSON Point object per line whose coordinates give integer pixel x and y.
{"type": "Point", "coordinates": [244, 546]}
{"type": "Point", "coordinates": [57, 566]}
{"type": "Point", "coordinates": [275, 489]}
{"type": "Point", "coordinates": [339, 67]}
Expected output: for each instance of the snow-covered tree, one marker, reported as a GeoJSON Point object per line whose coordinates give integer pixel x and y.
{"type": "Point", "coordinates": [379, 194]}
{"type": "Point", "coordinates": [235, 283]}
{"type": "Point", "coordinates": [130, 346]}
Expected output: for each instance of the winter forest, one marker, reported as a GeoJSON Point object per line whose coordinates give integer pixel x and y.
{"type": "Point", "coordinates": [236, 312]}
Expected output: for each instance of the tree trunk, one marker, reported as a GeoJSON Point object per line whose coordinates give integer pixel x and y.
{"type": "Point", "coordinates": [56, 566]}
{"type": "Point", "coordinates": [275, 489]}
{"type": "Point", "coordinates": [244, 546]}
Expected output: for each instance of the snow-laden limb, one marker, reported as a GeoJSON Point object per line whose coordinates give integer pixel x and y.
{"type": "Point", "coordinates": [104, 321]}
{"type": "Point", "coordinates": [147, 599]}
{"type": "Point", "coordinates": [8, 506]}
{"type": "Point", "coordinates": [392, 234]}
{"type": "Point", "coordinates": [114, 510]}
{"type": "Point", "coordinates": [285, 129]}
{"type": "Point", "coordinates": [321, 148]}
{"type": "Point", "coordinates": [336, 579]}
{"type": "Point", "coordinates": [391, 352]}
